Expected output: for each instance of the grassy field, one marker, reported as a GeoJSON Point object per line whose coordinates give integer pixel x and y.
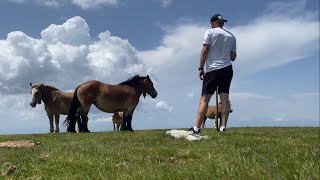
{"type": "Point", "coordinates": [240, 153]}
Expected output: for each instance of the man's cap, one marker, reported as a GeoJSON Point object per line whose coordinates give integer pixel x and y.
{"type": "Point", "coordinates": [217, 18]}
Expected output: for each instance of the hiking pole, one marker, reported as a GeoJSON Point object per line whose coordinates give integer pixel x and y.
{"type": "Point", "coordinates": [216, 117]}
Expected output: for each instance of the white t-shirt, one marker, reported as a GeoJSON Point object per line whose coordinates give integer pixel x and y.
{"type": "Point", "coordinates": [221, 42]}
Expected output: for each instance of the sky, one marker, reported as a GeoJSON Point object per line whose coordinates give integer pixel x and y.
{"type": "Point", "coordinates": [64, 43]}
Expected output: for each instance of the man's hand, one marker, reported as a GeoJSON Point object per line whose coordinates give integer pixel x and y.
{"type": "Point", "coordinates": [201, 74]}
{"type": "Point", "coordinates": [233, 55]}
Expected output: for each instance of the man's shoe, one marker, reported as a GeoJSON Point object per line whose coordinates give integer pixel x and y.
{"type": "Point", "coordinates": [192, 131]}
{"type": "Point", "coordinates": [222, 128]}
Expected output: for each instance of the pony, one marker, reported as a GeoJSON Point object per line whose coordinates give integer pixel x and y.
{"type": "Point", "coordinates": [211, 113]}
{"type": "Point", "coordinates": [123, 97]}
{"type": "Point", "coordinates": [55, 102]}
{"type": "Point", "coordinates": [117, 120]}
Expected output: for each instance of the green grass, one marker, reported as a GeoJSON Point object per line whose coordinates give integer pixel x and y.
{"type": "Point", "coordinates": [240, 153]}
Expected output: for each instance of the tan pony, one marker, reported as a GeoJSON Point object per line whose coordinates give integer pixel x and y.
{"type": "Point", "coordinates": [211, 113]}
{"type": "Point", "coordinates": [117, 120]}
{"type": "Point", "coordinates": [55, 102]}
{"type": "Point", "coordinates": [123, 97]}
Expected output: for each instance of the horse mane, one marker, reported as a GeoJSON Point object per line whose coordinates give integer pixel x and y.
{"type": "Point", "coordinates": [132, 81]}
{"type": "Point", "coordinates": [46, 86]}
{"type": "Point", "coordinates": [51, 87]}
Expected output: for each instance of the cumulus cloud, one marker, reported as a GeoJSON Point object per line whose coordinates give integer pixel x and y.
{"type": "Point", "coordinates": [64, 57]}
{"type": "Point", "coordinates": [84, 4]}
{"type": "Point", "coordinates": [164, 106]}
{"type": "Point", "coordinates": [74, 31]}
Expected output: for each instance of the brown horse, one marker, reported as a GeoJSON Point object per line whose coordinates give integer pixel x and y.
{"type": "Point", "coordinates": [55, 102]}
{"type": "Point", "coordinates": [123, 97]}
{"type": "Point", "coordinates": [117, 119]}
{"type": "Point", "coordinates": [211, 113]}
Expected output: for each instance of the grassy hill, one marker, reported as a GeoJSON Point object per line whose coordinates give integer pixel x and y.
{"type": "Point", "coordinates": [240, 153]}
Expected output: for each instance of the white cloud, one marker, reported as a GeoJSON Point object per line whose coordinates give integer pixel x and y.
{"type": "Point", "coordinates": [49, 3]}
{"type": "Point", "coordinates": [279, 119]}
{"type": "Point", "coordinates": [175, 48]}
{"type": "Point", "coordinates": [74, 31]}
{"type": "Point", "coordinates": [110, 52]}
{"type": "Point", "coordinates": [164, 3]}
{"type": "Point", "coordinates": [84, 4]}
{"type": "Point", "coordinates": [164, 106]}
{"type": "Point", "coordinates": [191, 95]}
{"type": "Point", "coordinates": [103, 120]}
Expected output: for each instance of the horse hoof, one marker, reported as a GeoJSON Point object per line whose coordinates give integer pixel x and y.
{"type": "Point", "coordinates": [71, 131]}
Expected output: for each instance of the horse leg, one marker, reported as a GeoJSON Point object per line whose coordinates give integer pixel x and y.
{"type": "Point", "coordinates": [86, 119]}
{"type": "Point", "coordinates": [124, 122]}
{"type": "Point", "coordinates": [50, 116]}
{"type": "Point", "coordinates": [56, 118]}
{"type": "Point", "coordinates": [84, 116]}
{"type": "Point", "coordinates": [114, 126]}
{"type": "Point", "coordinates": [129, 121]}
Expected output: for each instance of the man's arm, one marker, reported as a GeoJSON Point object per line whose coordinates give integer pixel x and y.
{"type": "Point", "coordinates": [204, 54]}
{"type": "Point", "coordinates": [233, 55]}
{"type": "Point", "coordinates": [203, 57]}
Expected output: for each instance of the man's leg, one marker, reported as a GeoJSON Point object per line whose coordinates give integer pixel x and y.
{"type": "Point", "coordinates": [202, 110]}
{"type": "Point", "coordinates": [225, 109]}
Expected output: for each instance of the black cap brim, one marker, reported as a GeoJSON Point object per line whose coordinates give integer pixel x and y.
{"type": "Point", "coordinates": [220, 20]}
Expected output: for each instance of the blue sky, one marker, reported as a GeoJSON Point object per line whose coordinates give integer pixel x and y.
{"type": "Point", "coordinates": [64, 43]}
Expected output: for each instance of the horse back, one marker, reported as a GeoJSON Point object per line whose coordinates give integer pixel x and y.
{"type": "Point", "coordinates": [106, 97]}
{"type": "Point", "coordinates": [59, 103]}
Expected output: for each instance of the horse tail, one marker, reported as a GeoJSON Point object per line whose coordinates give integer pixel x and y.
{"type": "Point", "coordinates": [72, 116]}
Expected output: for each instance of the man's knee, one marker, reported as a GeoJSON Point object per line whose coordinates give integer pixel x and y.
{"type": "Point", "coordinates": [205, 99]}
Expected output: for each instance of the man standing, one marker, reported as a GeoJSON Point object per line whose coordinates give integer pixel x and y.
{"type": "Point", "coordinates": [218, 50]}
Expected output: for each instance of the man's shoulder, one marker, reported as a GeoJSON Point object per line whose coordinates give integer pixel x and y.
{"type": "Point", "coordinates": [229, 33]}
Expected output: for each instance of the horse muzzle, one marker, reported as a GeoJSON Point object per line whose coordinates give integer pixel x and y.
{"type": "Point", "coordinates": [33, 105]}
{"type": "Point", "coordinates": [154, 95]}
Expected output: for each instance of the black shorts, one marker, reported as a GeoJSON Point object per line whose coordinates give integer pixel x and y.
{"type": "Point", "coordinates": [220, 78]}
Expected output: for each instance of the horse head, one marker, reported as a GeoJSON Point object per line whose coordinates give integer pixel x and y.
{"type": "Point", "coordinates": [148, 88]}
{"type": "Point", "coordinates": [36, 94]}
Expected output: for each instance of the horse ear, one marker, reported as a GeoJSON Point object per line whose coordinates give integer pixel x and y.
{"type": "Point", "coordinates": [41, 85]}
{"type": "Point", "coordinates": [30, 84]}
{"type": "Point", "coordinates": [148, 77]}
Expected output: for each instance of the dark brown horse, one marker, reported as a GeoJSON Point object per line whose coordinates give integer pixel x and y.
{"type": "Point", "coordinates": [123, 97]}
{"type": "Point", "coordinates": [55, 101]}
